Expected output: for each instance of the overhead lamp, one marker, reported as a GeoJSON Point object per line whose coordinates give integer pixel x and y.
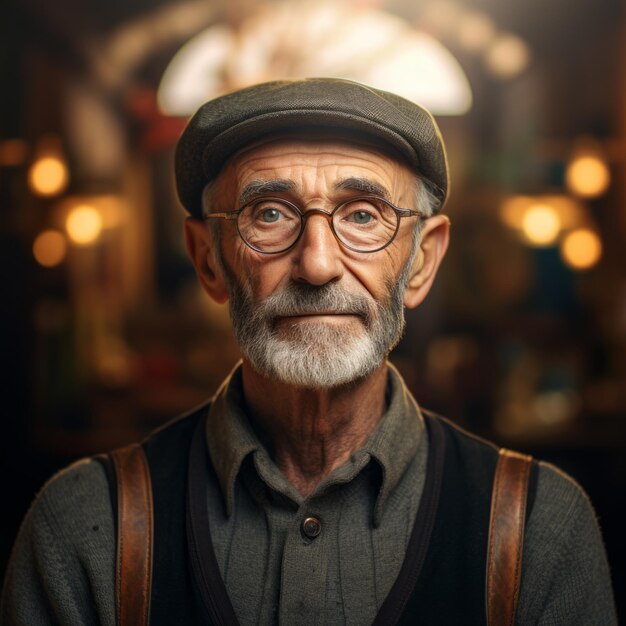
{"type": "Point", "coordinates": [192, 76]}
{"type": "Point", "coordinates": [366, 45]}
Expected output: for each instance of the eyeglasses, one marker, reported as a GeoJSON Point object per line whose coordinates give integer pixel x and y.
{"type": "Point", "coordinates": [273, 225]}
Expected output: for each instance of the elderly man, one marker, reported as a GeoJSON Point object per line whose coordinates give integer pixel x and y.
{"type": "Point", "coordinates": [311, 489]}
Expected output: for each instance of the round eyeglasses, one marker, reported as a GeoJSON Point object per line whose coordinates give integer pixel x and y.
{"type": "Point", "coordinates": [273, 225]}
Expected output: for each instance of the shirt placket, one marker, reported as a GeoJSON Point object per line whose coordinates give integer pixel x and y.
{"type": "Point", "coordinates": [304, 571]}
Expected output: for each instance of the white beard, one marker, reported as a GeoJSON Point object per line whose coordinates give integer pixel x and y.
{"type": "Point", "coordinates": [315, 355]}
{"type": "Point", "coordinates": [310, 352]}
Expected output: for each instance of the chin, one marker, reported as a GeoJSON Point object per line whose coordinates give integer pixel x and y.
{"type": "Point", "coordinates": [321, 363]}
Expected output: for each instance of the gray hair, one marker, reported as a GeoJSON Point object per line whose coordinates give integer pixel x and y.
{"type": "Point", "coordinates": [426, 200]}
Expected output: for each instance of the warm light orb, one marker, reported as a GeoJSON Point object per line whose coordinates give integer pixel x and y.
{"type": "Point", "coordinates": [570, 211]}
{"type": "Point", "coordinates": [84, 224]}
{"type": "Point", "coordinates": [442, 15]}
{"type": "Point", "coordinates": [581, 249]}
{"type": "Point", "coordinates": [588, 176]}
{"type": "Point", "coordinates": [48, 176]}
{"type": "Point", "coordinates": [49, 248]}
{"type": "Point", "coordinates": [513, 209]}
{"type": "Point", "coordinates": [507, 56]}
{"type": "Point", "coordinates": [476, 31]}
{"type": "Point", "coordinates": [541, 225]}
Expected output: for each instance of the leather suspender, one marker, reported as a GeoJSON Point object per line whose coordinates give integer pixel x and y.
{"type": "Point", "coordinates": [135, 532]}
{"type": "Point", "coordinates": [506, 536]}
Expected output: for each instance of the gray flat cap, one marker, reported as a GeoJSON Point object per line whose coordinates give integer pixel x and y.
{"type": "Point", "coordinates": [222, 126]}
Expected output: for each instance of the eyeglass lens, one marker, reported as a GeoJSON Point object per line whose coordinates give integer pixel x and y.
{"type": "Point", "coordinates": [363, 224]}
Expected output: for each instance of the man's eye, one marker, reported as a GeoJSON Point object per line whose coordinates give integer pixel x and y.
{"type": "Point", "coordinates": [269, 216]}
{"type": "Point", "coordinates": [360, 217]}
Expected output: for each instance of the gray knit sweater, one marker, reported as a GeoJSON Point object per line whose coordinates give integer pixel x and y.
{"type": "Point", "coordinates": [62, 567]}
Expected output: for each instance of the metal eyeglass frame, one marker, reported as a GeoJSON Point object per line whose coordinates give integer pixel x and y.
{"type": "Point", "coordinates": [304, 215]}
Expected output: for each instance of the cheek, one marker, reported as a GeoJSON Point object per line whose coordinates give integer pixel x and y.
{"type": "Point", "coordinates": [269, 278]}
{"type": "Point", "coordinates": [374, 273]}
{"type": "Point", "coordinates": [263, 274]}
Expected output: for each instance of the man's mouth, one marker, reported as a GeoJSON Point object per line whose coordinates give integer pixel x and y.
{"type": "Point", "coordinates": [321, 313]}
{"type": "Point", "coordinates": [317, 316]}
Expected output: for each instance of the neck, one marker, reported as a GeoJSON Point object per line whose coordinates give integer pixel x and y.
{"type": "Point", "coordinates": [310, 432]}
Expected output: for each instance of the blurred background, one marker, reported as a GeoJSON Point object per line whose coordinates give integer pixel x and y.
{"type": "Point", "coordinates": [105, 332]}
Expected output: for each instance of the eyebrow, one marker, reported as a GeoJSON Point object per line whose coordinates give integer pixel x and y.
{"type": "Point", "coordinates": [364, 185]}
{"type": "Point", "coordinates": [257, 188]}
{"type": "Point", "coordinates": [261, 187]}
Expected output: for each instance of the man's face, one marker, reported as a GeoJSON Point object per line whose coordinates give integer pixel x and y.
{"type": "Point", "coordinates": [317, 315]}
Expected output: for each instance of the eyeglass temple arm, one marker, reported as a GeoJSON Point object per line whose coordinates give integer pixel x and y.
{"type": "Point", "coordinates": [409, 212]}
{"type": "Point", "coordinates": [229, 215]}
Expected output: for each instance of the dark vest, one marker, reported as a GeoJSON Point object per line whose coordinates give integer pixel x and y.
{"type": "Point", "coordinates": [442, 578]}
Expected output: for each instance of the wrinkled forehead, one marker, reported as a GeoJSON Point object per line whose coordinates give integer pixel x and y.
{"type": "Point", "coordinates": [340, 149]}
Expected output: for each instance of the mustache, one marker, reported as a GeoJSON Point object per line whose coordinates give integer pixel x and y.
{"type": "Point", "coordinates": [306, 299]}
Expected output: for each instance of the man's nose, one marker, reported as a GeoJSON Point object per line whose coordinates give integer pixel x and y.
{"type": "Point", "coordinates": [318, 253]}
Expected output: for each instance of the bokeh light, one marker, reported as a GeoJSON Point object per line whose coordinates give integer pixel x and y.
{"type": "Point", "coordinates": [49, 248]}
{"type": "Point", "coordinates": [513, 210]}
{"type": "Point", "coordinates": [442, 15]}
{"type": "Point", "coordinates": [476, 31]}
{"type": "Point", "coordinates": [541, 225]}
{"type": "Point", "coordinates": [588, 176]}
{"type": "Point", "coordinates": [48, 176]}
{"type": "Point", "coordinates": [13, 152]}
{"type": "Point", "coordinates": [572, 213]}
{"type": "Point", "coordinates": [581, 249]}
{"type": "Point", "coordinates": [84, 224]}
{"type": "Point", "coordinates": [507, 56]}
{"type": "Point", "coordinates": [112, 208]}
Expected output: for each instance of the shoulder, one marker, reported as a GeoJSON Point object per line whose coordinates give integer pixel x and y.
{"type": "Point", "coordinates": [562, 514]}
{"type": "Point", "coordinates": [559, 497]}
{"type": "Point", "coordinates": [566, 577]}
{"type": "Point", "coordinates": [63, 561]}
{"type": "Point", "coordinates": [80, 492]}
{"type": "Point", "coordinates": [74, 504]}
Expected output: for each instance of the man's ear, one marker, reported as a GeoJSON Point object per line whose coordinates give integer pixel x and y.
{"type": "Point", "coordinates": [200, 247]}
{"type": "Point", "coordinates": [434, 240]}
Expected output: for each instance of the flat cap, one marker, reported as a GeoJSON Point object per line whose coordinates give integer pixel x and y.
{"type": "Point", "coordinates": [222, 126]}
